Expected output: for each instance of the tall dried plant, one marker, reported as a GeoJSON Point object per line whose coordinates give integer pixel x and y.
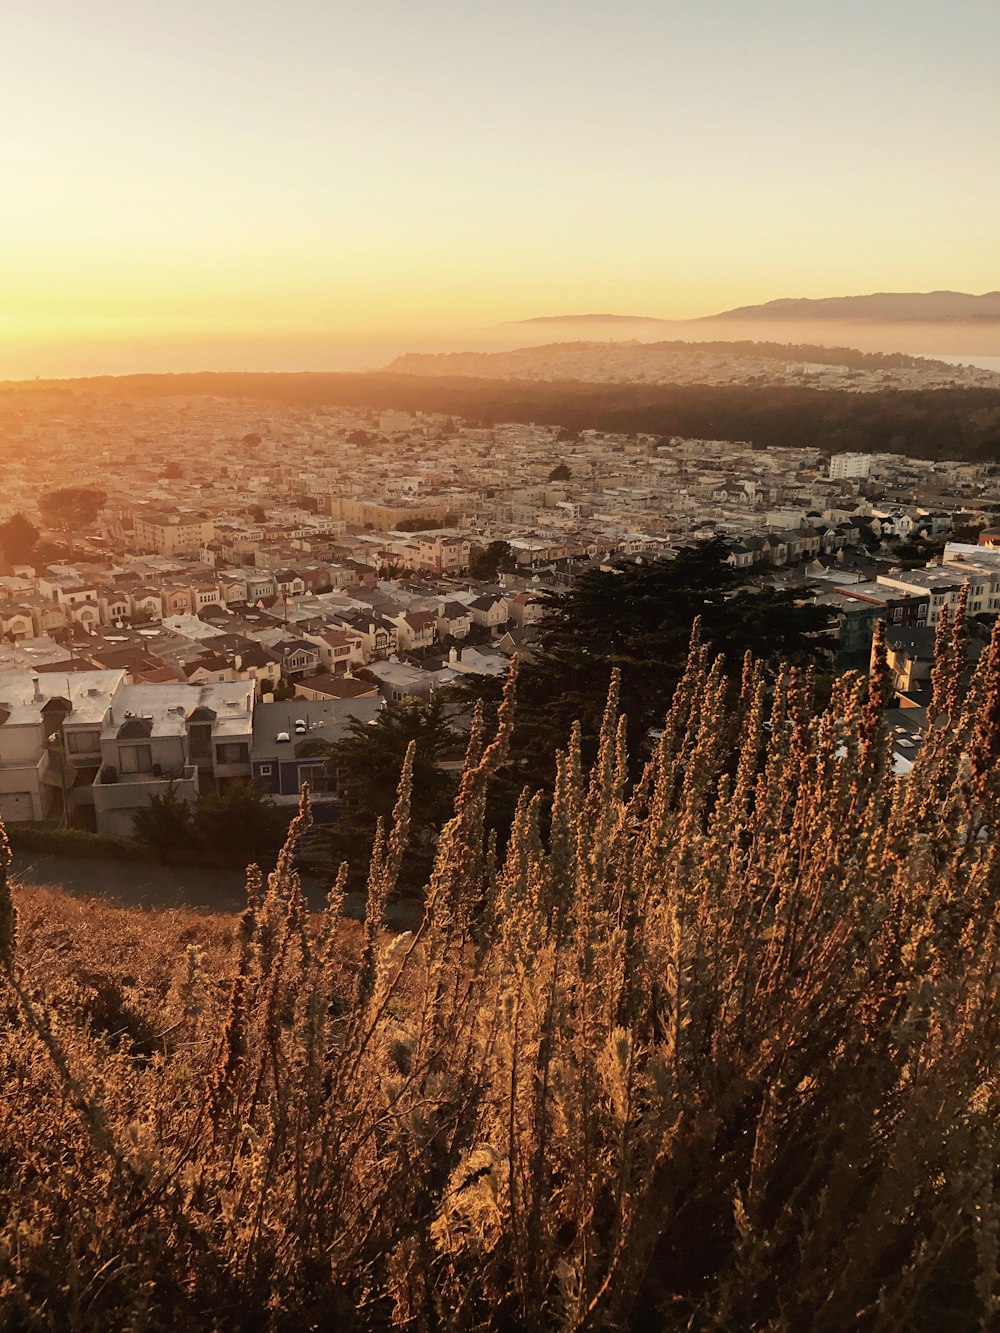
{"type": "Point", "coordinates": [718, 1051]}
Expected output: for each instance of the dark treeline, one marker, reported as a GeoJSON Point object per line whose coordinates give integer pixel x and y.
{"type": "Point", "coordinates": [936, 423]}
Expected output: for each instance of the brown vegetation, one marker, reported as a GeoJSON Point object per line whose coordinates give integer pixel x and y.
{"type": "Point", "coordinates": [719, 1051]}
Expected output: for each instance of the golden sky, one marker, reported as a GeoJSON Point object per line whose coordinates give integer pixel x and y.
{"type": "Point", "coordinates": [222, 184]}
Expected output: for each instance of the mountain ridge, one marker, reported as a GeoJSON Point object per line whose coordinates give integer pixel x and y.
{"type": "Point", "coordinates": [924, 307]}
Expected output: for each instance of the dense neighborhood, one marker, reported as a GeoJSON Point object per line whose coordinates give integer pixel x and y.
{"type": "Point", "coordinates": [251, 584]}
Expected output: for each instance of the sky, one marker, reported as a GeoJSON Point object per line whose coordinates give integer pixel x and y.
{"type": "Point", "coordinates": [310, 184]}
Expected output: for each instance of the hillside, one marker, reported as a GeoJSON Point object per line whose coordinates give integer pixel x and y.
{"type": "Point", "coordinates": [720, 1050]}
{"type": "Point", "coordinates": [886, 307]}
{"type": "Point", "coordinates": [918, 323]}
{"type": "Point", "coordinates": [712, 363]}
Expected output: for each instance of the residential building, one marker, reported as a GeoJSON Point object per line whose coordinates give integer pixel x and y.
{"type": "Point", "coordinates": [297, 657]}
{"type": "Point", "coordinates": [291, 743]}
{"type": "Point", "coordinates": [156, 738]}
{"type": "Point", "coordinates": [339, 649]}
{"type": "Point", "coordinates": [49, 737]}
{"type": "Point", "coordinates": [490, 611]}
{"type": "Point", "coordinates": [171, 533]}
{"type": "Point", "coordinates": [849, 466]}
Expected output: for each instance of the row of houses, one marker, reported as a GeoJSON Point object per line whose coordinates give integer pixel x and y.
{"type": "Point", "coordinates": [92, 749]}
{"type": "Point", "coordinates": [907, 600]}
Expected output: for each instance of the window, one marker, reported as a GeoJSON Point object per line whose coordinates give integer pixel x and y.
{"type": "Point", "coordinates": [321, 779]}
{"type": "Point", "coordinates": [264, 770]}
{"type": "Point", "coordinates": [83, 742]}
{"type": "Point", "coordinates": [234, 752]}
{"type": "Point", "coordinates": [135, 758]}
{"type": "Point", "coordinates": [200, 734]}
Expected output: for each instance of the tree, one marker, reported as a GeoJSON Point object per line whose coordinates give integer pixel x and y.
{"type": "Point", "coordinates": [446, 520]}
{"type": "Point", "coordinates": [496, 558]}
{"type": "Point", "coordinates": [968, 533]}
{"type": "Point", "coordinates": [18, 539]}
{"type": "Point", "coordinates": [913, 553]}
{"type": "Point", "coordinates": [233, 827]}
{"type": "Point", "coordinates": [560, 473]}
{"type": "Point", "coordinates": [637, 619]}
{"type": "Point", "coordinates": [369, 760]}
{"type": "Point", "coordinates": [416, 524]}
{"type": "Point", "coordinates": [71, 508]}
{"type": "Point", "coordinates": [251, 440]}
{"type": "Point", "coordinates": [239, 825]}
{"type": "Point", "coordinates": [166, 825]}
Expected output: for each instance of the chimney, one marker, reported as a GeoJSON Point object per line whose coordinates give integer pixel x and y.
{"type": "Point", "coordinates": [35, 682]}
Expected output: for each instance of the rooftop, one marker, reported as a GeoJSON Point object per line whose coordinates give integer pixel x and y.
{"type": "Point", "coordinates": [168, 706]}
{"type": "Point", "coordinates": [90, 693]}
{"type": "Point", "coordinates": [326, 720]}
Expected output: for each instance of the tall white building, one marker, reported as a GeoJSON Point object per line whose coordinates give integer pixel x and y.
{"type": "Point", "coordinates": [850, 465]}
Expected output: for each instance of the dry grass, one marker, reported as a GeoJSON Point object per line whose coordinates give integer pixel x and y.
{"type": "Point", "coordinates": [719, 1052]}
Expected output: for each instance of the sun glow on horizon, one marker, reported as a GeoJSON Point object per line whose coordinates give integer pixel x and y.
{"type": "Point", "coordinates": [215, 176]}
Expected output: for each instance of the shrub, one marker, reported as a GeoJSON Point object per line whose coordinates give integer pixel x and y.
{"type": "Point", "coordinates": [76, 842]}
{"type": "Point", "coordinates": [165, 825]}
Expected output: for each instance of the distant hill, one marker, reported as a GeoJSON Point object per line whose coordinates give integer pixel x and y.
{"type": "Point", "coordinates": [588, 319]}
{"type": "Point", "coordinates": [422, 363]}
{"type": "Point", "coordinates": [631, 360]}
{"type": "Point", "coordinates": [919, 323]}
{"type": "Point", "coordinates": [887, 307]}
{"type": "Point", "coordinates": [922, 307]}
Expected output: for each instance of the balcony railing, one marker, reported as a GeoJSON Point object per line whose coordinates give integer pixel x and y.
{"type": "Point", "coordinates": [109, 776]}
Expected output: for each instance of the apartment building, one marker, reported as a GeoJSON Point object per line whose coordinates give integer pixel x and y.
{"type": "Point", "coordinates": [171, 534]}
{"type": "Point", "coordinates": [849, 466]}
{"type": "Point", "coordinates": [437, 554]}
{"type": "Point", "coordinates": [49, 739]}
{"type": "Point", "coordinates": [943, 584]}
{"type": "Point", "coordinates": [155, 738]}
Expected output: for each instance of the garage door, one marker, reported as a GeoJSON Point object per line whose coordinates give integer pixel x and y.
{"type": "Point", "coordinates": [15, 805]}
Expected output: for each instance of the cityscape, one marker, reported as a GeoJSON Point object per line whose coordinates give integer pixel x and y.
{"type": "Point", "coordinates": [500, 667]}
{"type": "Point", "coordinates": [251, 562]}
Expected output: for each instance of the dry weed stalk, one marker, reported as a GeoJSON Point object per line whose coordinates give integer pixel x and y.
{"type": "Point", "coordinates": [718, 1051]}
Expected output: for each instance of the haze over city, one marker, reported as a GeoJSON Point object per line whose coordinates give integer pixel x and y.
{"type": "Point", "coordinates": [320, 186]}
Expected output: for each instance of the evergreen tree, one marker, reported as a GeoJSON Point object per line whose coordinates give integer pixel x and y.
{"type": "Point", "coordinates": [166, 825]}
{"type": "Point", "coordinates": [496, 558]}
{"type": "Point", "coordinates": [18, 539]}
{"type": "Point", "coordinates": [71, 508]}
{"type": "Point", "coordinates": [368, 761]}
{"type": "Point", "coordinates": [637, 619]}
{"type": "Point", "coordinates": [239, 824]}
